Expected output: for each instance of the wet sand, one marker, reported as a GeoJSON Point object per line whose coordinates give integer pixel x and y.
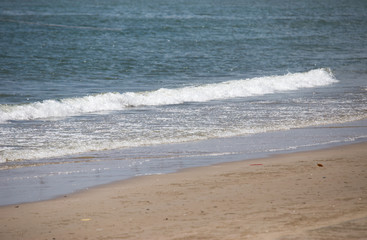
{"type": "Point", "coordinates": [310, 195]}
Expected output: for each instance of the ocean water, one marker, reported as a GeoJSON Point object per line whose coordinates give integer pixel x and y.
{"type": "Point", "coordinates": [107, 78]}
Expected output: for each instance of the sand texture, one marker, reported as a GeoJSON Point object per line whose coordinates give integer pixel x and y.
{"type": "Point", "coordinates": [309, 195]}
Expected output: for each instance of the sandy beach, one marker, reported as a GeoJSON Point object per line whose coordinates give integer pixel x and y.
{"type": "Point", "coordinates": [310, 195]}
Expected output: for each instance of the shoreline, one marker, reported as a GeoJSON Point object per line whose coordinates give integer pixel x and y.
{"type": "Point", "coordinates": [318, 194]}
{"type": "Point", "coordinates": [49, 178]}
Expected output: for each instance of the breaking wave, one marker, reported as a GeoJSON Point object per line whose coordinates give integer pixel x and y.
{"type": "Point", "coordinates": [119, 101]}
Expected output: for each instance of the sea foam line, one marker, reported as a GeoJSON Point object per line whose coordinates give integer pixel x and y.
{"type": "Point", "coordinates": [119, 101]}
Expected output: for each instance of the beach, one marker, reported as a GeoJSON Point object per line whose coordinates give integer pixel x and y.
{"type": "Point", "coordinates": [319, 194]}
{"type": "Point", "coordinates": [183, 119]}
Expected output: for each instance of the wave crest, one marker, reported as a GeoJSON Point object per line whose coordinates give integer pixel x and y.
{"type": "Point", "coordinates": [119, 101]}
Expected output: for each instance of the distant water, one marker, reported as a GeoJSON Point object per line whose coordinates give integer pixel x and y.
{"type": "Point", "coordinates": [82, 76]}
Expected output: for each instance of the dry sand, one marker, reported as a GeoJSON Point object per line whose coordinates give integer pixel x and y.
{"type": "Point", "coordinates": [310, 195]}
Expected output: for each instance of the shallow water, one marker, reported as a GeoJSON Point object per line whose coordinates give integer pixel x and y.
{"type": "Point", "coordinates": [48, 178]}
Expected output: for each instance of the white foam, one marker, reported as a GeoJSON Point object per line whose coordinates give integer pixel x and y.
{"type": "Point", "coordinates": [119, 101]}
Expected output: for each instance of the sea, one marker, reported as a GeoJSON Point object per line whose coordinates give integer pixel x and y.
{"type": "Point", "coordinates": [93, 91]}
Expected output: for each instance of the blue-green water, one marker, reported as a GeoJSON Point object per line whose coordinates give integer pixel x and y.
{"type": "Point", "coordinates": [81, 76]}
